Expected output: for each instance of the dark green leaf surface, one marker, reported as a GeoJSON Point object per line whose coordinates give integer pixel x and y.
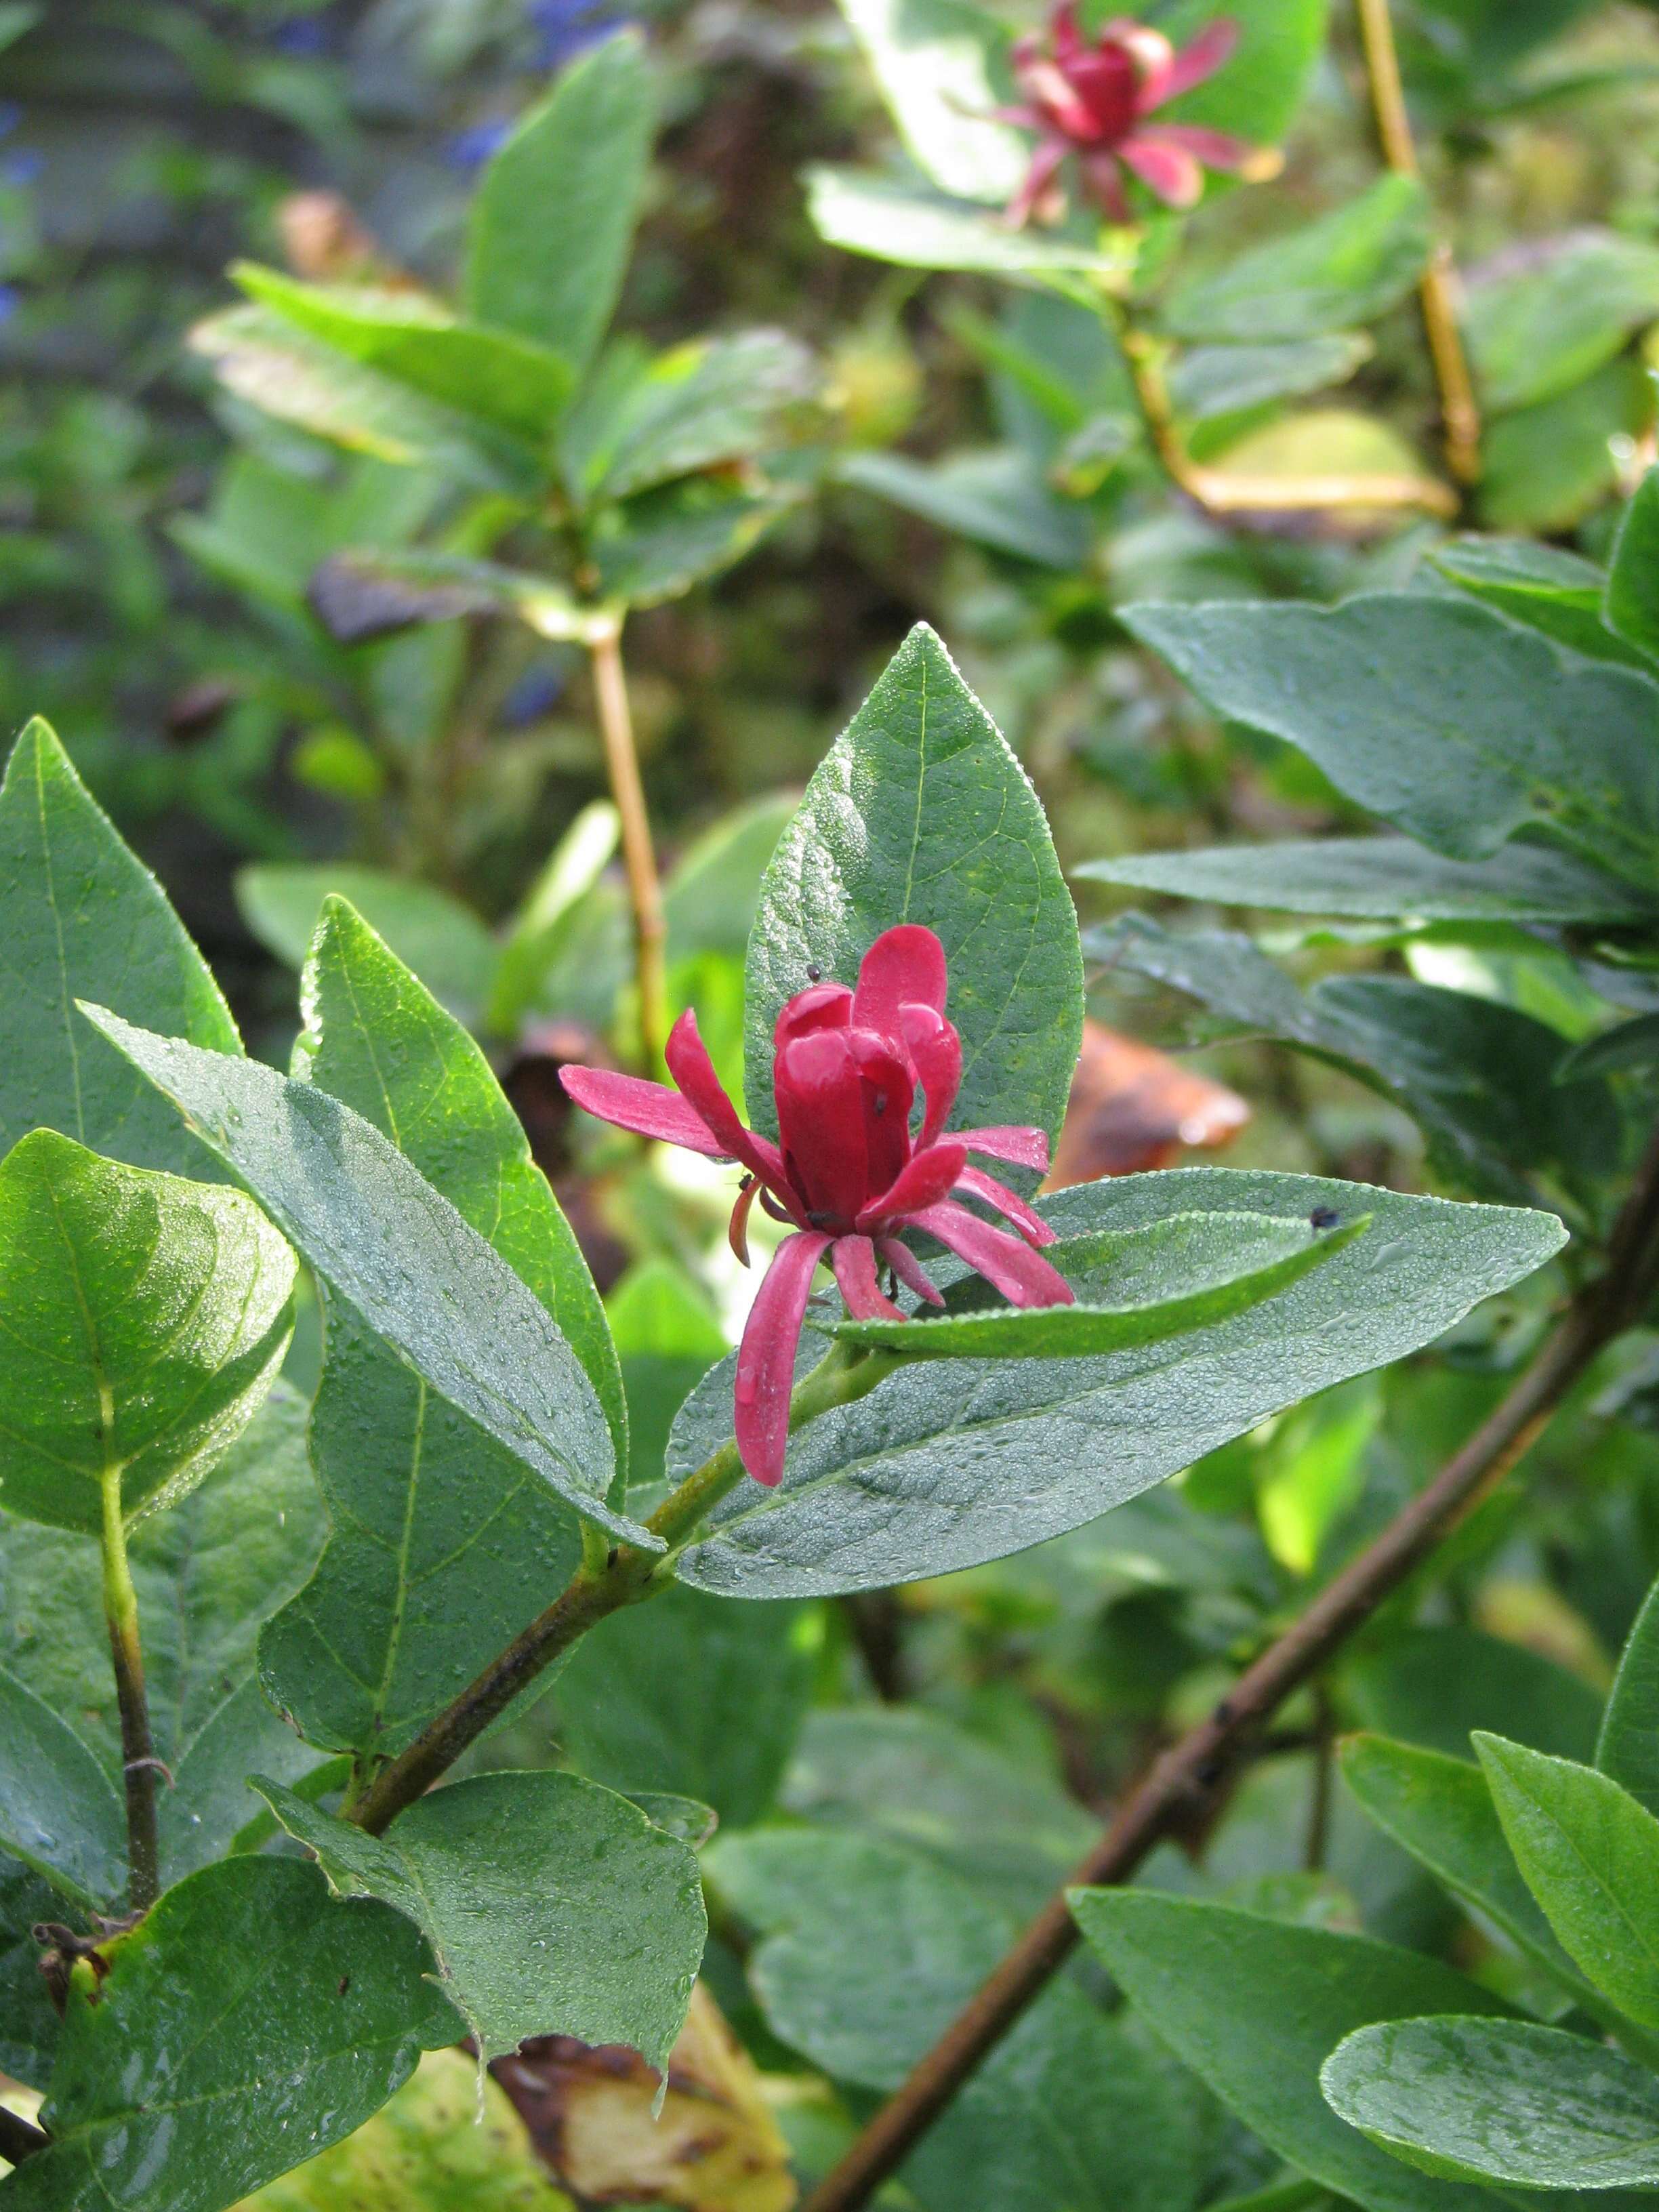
{"type": "Point", "coordinates": [28, 2023]}
{"type": "Point", "coordinates": [1385, 878]}
{"type": "Point", "coordinates": [1629, 1048]}
{"type": "Point", "coordinates": [554, 217]}
{"type": "Point", "coordinates": [421, 1279]}
{"type": "Point", "coordinates": [1558, 592]}
{"type": "Point", "coordinates": [921, 813]}
{"type": "Point", "coordinates": [1254, 2006]}
{"type": "Point", "coordinates": [1632, 605]}
{"type": "Point", "coordinates": [1590, 1856]}
{"type": "Point", "coordinates": [1438, 716]}
{"type": "Point", "coordinates": [943, 1466]}
{"type": "Point", "coordinates": [1499, 2100]}
{"type": "Point", "coordinates": [711, 401]}
{"type": "Point", "coordinates": [997, 498]}
{"type": "Point", "coordinates": [900, 219]}
{"type": "Point", "coordinates": [80, 917]}
{"type": "Point", "coordinates": [60, 1813]}
{"type": "Point", "coordinates": [654, 547]}
{"type": "Point", "coordinates": [1133, 1286]}
{"type": "Point", "coordinates": [1628, 1745]}
{"type": "Point", "coordinates": [143, 1319]}
{"type": "Point", "coordinates": [1435, 1686]}
{"type": "Point", "coordinates": [444, 1543]}
{"type": "Point", "coordinates": [207, 1573]}
{"type": "Point", "coordinates": [553, 1907]}
{"type": "Point", "coordinates": [444, 942]}
{"type": "Point", "coordinates": [314, 2012]}
{"type": "Point", "coordinates": [1345, 268]}
{"type": "Point", "coordinates": [941, 67]}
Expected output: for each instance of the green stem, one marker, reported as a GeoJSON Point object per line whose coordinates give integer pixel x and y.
{"type": "Point", "coordinates": [628, 1576]}
{"type": "Point", "coordinates": [138, 1760]}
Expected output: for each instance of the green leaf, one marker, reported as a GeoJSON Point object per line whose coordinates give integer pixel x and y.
{"type": "Point", "coordinates": [29, 2022]}
{"type": "Point", "coordinates": [657, 546]}
{"type": "Point", "coordinates": [1627, 1747]}
{"type": "Point", "coordinates": [691, 1695]}
{"type": "Point", "coordinates": [708, 402]}
{"type": "Point", "coordinates": [378, 1234]}
{"type": "Point", "coordinates": [1499, 2100]}
{"type": "Point", "coordinates": [80, 917]}
{"type": "Point", "coordinates": [1548, 589]}
{"type": "Point", "coordinates": [207, 1573]}
{"type": "Point", "coordinates": [1261, 89]}
{"type": "Point", "coordinates": [921, 813]}
{"type": "Point", "coordinates": [444, 1544]}
{"type": "Point", "coordinates": [1631, 604]}
{"type": "Point", "coordinates": [555, 214]}
{"type": "Point", "coordinates": [59, 1811]}
{"type": "Point", "coordinates": [1629, 1047]}
{"type": "Point", "coordinates": [263, 359]}
{"type": "Point", "coordinates": [1213, 380]}
{"type": "Point", "coordinates": [443, 941]}
{"type": "Point", "coordinates": [1435, 1686]}
{"type": "Point", "coordinates": [1590, 1854]}
{"type": "Point", "coordinates": [518, 386]}
{"type": "Point", "coordinates": [1437, 715]}
{"type": "Point", "coordinates": [945, 1466]}
{"type": "Point", "coordinates": [1536, 331]}
{"type": "Point", "coordinates": [713, 890]}
{"type": "Point", "coordinates": [553, 1907]}
{"type": "Point", "coordinates": [942, 67]}
{"type": "Point", "coordinates": [316, 2012]}
{"type": "Point", "coordinates": [1346, 268]}
{"type": "Point", "coordinates": [1254, 2006]}
{"type": "Point", "coordinates": [1387, 879]}
{"type": "Point", "coordinates": [996, 498]}
{"type": "Point", "coordinates": [143, 1319]}
{"type": "Point", "coordinates": [1545, 467]}
{"type": "Point", "coordinates": [901, 220]}
{"type": "Point", "coordinates": [543, 925]}
{"type": "Point", "coordinates": [1134, 1286]}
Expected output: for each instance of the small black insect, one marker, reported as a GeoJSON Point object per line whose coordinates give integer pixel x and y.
{"type": "Point", "coordinates": [814, 974]}
{"type": "Point", "coordinates": [1323, 1217]}
{"type": "Point", "coordinates": [345, 1984]}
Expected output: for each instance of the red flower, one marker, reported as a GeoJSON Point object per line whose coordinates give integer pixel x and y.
{"type": "Point", "coordinates": [1091, 98]}
{"type": "Point", "coordinates": [847, 1170]}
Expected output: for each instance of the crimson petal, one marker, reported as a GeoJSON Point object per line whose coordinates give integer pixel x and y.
{"type": "Point", "coordinates": [1217, 149]}
{"type": "Point", "coordinates": [650, 1109]}
{"type": "Point", "coordinates": [1024, 1147]}
{"type": "Point", "coordinates": [1024, 1277]}
{"type": "Point", "coordinates": [924, 1179]}
{"type": "Point", "coordinates": [1210, 50]}
{"type": "Point", "coordinates": [692, 1069]}
{"type": "Point", "coordinates": [935, 1050]}
{"type": "Point", "coordinates": [824, 1006]}
{"type": "Point", "coordinates": [905, 967]}
{"type": "Point", "coordinates": [978, 1185]}
{"type": "Point", "coordinates": [909, 1270]}
{"type": "Point", "coordinates": [1169, 171]}
{"type": "Point", "coordinates": [854, 1258]}
{"type": "Point", "coordinates": [766, 1358]}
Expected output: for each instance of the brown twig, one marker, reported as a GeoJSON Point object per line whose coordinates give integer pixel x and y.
{"type": "Point", "coordinates": [1191, 1772]}
{"type": "Point", "coordinates": [1460, 412]}
{"type": "Point", "coordinates": [19, 2138]}
{"type": "Point", "coordinates": [622, 762]}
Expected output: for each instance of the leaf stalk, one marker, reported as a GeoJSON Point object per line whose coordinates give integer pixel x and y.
{"type": "Point", "coordinates": [139, 1765]}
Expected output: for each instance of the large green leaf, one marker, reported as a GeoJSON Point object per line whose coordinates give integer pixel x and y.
{"type": "Point", "coordinates": [444, 1543]}
{"type": "Point", "coordinates": [899, 219]}
{"type": "Point", "coordinates": [653, 547]}
{"type": "Point", "coordinates": [1344, 268]}
{"type": "Point", "coordinates": [246, 2022]}
{"type": "Point", "coordinates": [60, 1813]}
{"type": "Point", "coordinates": [1590, 1854]}
{"type": "Point", "coordinates": [379, 1235]}
{"type": "Point", "coordinates": [997, 498]}
{"type": "Point", "coordinates": [207, 1573]}
{"type": "Point", "coordinates": [1536, 331]}
{"type": "Point", "coordinates": [409, 336]}
{"type": "Point", "coordinates": [1631, 604]}
{"type": "Point", "coordinates": [1386, 878]}
{"type": "Point", "coordinates": [1435, 1686]}
{"type": "Point", "coordinates": [80, 917]}
{"type": "Point", "coordinates": [710, 401]}
{"type": "Point", "coordinates": [1255, 2006]}
{"type": "Point", "coordinates": [29, 2022]}
{"type": "Point", "coordinates": [1628, 1745]}
{"type": "Point", "coordinates": [554, 218]}
{"type": "Point", "coordinates": [1211, 380]}
{"type": "Point", "coordinates": [443, 941]}
{"type": "Point", "coordinates": [1258, 92]}
{"type": "Point", "coordinates": [553, 1907]}
{"type": "Point", "coordinates": [921, 813]}
{"type": "Point", "coordinates": [1438, 716]}
{"type": "Point", "coordinates": [944, 1466]}
{"type": "Point", "coordinates": [1499, 2100]}
{"type": "Point", "coordinates": [1548, 589]}
{"type": "Point", "coordinates": [1133, 1286]}
{"type": "Point", "coordinates": [143, 1319]}
{"type": "Point", "coordinates": [1544, 468]}
{"type": "Point", "coordinates": [941, 65]}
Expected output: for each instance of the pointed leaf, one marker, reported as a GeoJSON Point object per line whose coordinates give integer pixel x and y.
{"type": "Point", "coordinates": [656, 546]}
{"type": "Point", "coordinates": [997, 498]}
{"type": "Point", "coordinates": [711, 401]}
{"type": "Point", "coordinates": [1435, 1686]}
{"type": "Point", "coordinates": [1346, 268]}
{"type": "Point", "coordinates": [553, 1907]}
{"type": "Point", "coordinates": [60, 1813]}
{"type": "Point", "coordinates": [378, 1234]}
{"type": "Point", "coordinates": [80, 917]}
{"type": "Point", "coordinates": [921, 813]}
{"type": "Point", "coordinates": [143, 1319]}
{"type": "Point", "coordinates": [1558, 592]}
{"type": "Point", "coordinates": [1628, 1747]}
{"type": "Point", "coordinates": [443, 941]}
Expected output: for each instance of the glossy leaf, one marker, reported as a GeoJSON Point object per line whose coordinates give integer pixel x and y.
{"type": "Point", "coordinates": [444, 1543]}
{"type": "Point", "coordinates": [444, 942]}
{"type": "Point", "coordinates": [706, 403]}
{"type": "Point", "coordinates": [996, 498]}
{"type": "Point", "coordinates": [553, 1907]}
{"type": "Point", "coordinates": [921, 813]}
{"type": "Point", "coordinates": [1631, 604]}
{"type": "Point", "coordinates": [554, 217]}
{"type": "Point", "coordinates": [941, 65]}
{"type": "Point", "coordinates": [1590, 1854]}
{"type": "Point", "coordinates": [381, 1237]}
{"type": "Point", "coordinates": [1385, 878]}
{"type": "Point", "coordinates": [80, 917]}
{"type": "Point", "coordinates": [60, 1813]}
{"type": "Point", "coordinates": [1536, 331]}
{"type": "Point", "coordinates": [1505, 2101]}
{"type": "Point", "coordinates": [143, 1319]}
{"type": "Point", "coordinates": [1627, 1747]}
{"type": "Point", "coordinates": [1134, 1286]}
{"type": "Point", "coordinates": [901, 220]}
{"type": "Point", "coordinates": [1438, 716]}
{"type": "Point", "coordinates": [943, 1466]}
{"type": "Point", "coordinates": [1255, 2006]}
{"type": "Point", "coordinates": [1344, 268]}
{"type": "Point", "coordinates": [1435, 1686]}
{"type": "Point", "coordinates": [1544, 587]}
{"type": "Point", "coordinates": [318, 2013]}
